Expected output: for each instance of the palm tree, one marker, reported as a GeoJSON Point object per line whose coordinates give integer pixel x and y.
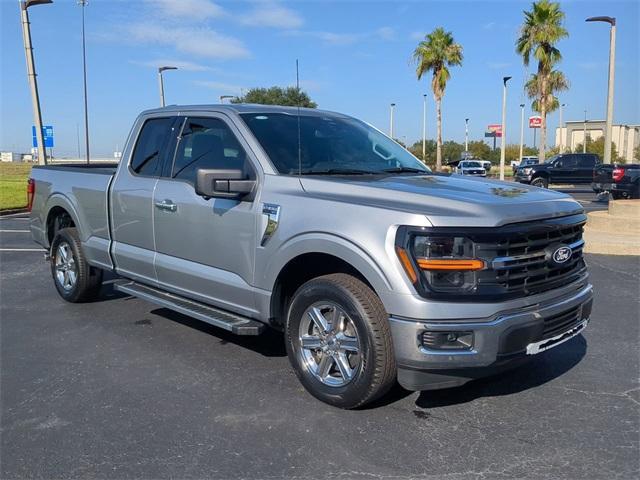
{"type": "Point", "coordinates": [437, 52]}
{"type": "Point", "coordinates": [557, 83]}
{"type": "Point", "coordinates": [541, 30]}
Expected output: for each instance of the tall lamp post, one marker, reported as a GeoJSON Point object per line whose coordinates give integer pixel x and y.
{"type": "Point", "coordinates": [584, 133]}
{"type": "Point", "coordinates": [83, 3]}
{"type": "Point", "coordinates": [466, 134]}
{"type": "Point", "coordinates": [393, 107]}
{"type": "Point", "coordinates": [561, 149]}
{"type": "Point", "coordinates": [521, 131]}
{"type": "Point", "coordinates": [161, 83]}
{"type": "Point", "coordinates": [424, 128]}
{"type": "Point", "coordinates": [504, 126]}
{"type": "Point", "coordinates": [612, 64]}
{"type": "Point", "coordinates": [31, 73]}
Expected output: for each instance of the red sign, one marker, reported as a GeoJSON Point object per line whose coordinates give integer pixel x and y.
{"type": "Point", "coordinates": [496, 129]}
{"type": "Point", "coordinates": [535, 121]}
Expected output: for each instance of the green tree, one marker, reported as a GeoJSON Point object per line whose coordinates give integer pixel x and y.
{"type": "Point", "coordinates": [289, 96]}
{"type": "Point", "coordinates": [451, 151]}
{"type": "Point", "coordinates": [636, 153]}
{"type": "Point", "coordinates": [436, 53]}
{"type": "Point", "coordinates": [597, 147]}
{"type": "Point", "coordinates": [480, 150]}
{"type": "Point", "coordinates": [541, 30]}
{"type": "Point", "coordinates": [430, 150]}
{"type": "Point", "coordinates": [557, 83]}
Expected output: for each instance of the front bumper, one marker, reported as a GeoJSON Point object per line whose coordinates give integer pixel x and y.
{"type": "Point", "coordinates": [522, 178]}
{"type": "Point", "coordinates": [500, 342]}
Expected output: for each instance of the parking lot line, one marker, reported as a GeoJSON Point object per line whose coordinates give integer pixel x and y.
{"type": "Point", "coordinates": [15, 231]}
{"type": "Point", "coordinates": [22, 250]}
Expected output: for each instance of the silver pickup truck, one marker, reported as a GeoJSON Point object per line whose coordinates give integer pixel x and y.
{"type": "Point", "coordinates": [314, 223]}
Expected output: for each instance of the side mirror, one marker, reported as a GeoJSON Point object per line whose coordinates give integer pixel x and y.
{"type": "Point", "coordinates": [218, 183]}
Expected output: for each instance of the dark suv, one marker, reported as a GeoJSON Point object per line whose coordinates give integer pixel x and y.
{"type": "Point", "coordinates": [571, 168]}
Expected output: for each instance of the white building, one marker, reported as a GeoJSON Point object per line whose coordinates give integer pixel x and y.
{"type": "Point", "coordinates": [625, 137]}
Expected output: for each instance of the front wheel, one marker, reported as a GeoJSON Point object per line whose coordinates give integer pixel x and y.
{"type": "Point", "coordinates": [339, 341]}
{"type": "Point", "coordinates": [74, 279]}
{"type": "Point", "coordinates": [540, 182]}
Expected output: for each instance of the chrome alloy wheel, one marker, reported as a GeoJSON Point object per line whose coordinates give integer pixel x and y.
{"type": "Point", "coordinates": [65, 266]}
{"type": "Point", "coordinates": [330, 348]}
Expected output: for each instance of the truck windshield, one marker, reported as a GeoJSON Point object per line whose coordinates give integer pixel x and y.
{"type": "Point", "coordinates": [471, 165]}
{"type": "Point", "coordinates": [328, 145]}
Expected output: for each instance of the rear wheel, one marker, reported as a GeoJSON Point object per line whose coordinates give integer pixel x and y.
{"type": "Point", "coordinates": [540, 182]}
{"type": "Point", "coordinates": [339, 341]}
{"type": "Point", "coordinates": [74, 279]}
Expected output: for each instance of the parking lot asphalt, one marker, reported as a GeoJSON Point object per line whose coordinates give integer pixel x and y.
{"type": "Point", "coordinates": [122, 389]}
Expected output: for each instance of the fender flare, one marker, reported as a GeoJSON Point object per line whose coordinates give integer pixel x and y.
{"type": "Point", "coordinates": [330, 244]}
{"type": "Point", "coordinates": [62, 201]}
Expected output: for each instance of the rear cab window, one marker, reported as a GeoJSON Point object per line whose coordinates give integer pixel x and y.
{"type": "Point", "coordinates": [149, 151]}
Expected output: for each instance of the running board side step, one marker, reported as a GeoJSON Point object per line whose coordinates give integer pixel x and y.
{"type": "Point", "coordinates": [220, 318]}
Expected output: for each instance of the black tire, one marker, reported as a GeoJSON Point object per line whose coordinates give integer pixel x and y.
{"type": "Point", "coordinates": [540, 182]}
{"type": "Point", "coordinates": [619, 195]}
{"type": "Point", "coordinates": [88, 280]}
{"type": "Point", "coordinates": [375, 372]}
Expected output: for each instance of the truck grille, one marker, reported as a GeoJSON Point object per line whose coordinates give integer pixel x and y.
{"type": "Point", "coordinates": [561, 322]}
{"type": "Point", "coordinates": [519, 259]}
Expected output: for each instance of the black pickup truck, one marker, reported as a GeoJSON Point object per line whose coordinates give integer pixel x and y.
{"type": "Point", "coordinates": [572, 168]}
{"type": "Point", "coordinates": [622, 181]}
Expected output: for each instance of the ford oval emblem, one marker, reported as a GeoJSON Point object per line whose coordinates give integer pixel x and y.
{"type": "Point", "coordinates": [562, 254]}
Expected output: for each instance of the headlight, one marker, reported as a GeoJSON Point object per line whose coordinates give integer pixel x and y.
{"type": "Point", "coordinates": [526, 171]}
{"type": "Point", "coordinates": [443, 264]}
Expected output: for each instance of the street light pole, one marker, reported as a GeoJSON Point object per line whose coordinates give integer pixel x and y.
{"type": "Point", "coordinates": [424, 128]}
{"type": "Point", "coordinates": [161, 83]}
{"type": "Point", "coordinates": [584, 134]}
{"type": "Point", "coordinates": [466, 134]}
{"type": "Point", "coordinates": [393, 106]}
{"type": "Point", "coordinates": [31, 73]}
{"type": "Point", "coordinates": [612, 63]}
{"type": "Point", "coordinates": [561, 149]}
{"type": "Point", "coordinates": [521, 131]}
{"type": "Point", "coordinates": [504, 125]}
{"type": "Point", "coordinates": [83, 3]}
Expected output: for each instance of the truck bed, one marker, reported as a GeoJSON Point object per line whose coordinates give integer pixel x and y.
{"type": "Point", "coordinates": [82, 190]}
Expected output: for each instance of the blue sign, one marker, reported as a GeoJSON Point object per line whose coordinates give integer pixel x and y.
{"type": "Point", "coordinates": [47, 133]}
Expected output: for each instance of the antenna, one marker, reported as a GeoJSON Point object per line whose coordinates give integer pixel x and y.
{"type": "Point", "coordinates": [299, 140]}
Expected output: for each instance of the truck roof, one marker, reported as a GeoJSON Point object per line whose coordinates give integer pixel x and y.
{"type": "Point", "coordinates": [239, 108]}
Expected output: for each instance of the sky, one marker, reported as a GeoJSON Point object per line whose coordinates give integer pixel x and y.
{"type": "Point", "coordinates": [355, 58]}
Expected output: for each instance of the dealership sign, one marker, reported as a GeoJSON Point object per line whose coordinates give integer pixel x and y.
{"type": "Point", "coordinates": [494, 130]}
{"type": "Point", "coordinates": [535, 121]}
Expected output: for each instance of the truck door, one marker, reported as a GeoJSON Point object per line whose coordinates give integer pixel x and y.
{"type": "Point", "coordinates": [586, 164]}
{"type": "Point", "coordinates": [205, 248]}
{"type": "Point", "coordinates": [564, 170]}
{"type": "Point", "coordinates": [132, 200]}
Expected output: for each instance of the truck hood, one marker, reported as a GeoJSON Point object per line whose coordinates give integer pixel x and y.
{"type": "Point", "coordinates": [447, 200]}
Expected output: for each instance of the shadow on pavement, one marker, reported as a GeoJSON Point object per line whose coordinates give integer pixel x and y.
{"type": "Point", "coordinates": [269, 344]}
{"type": "Point", "coordinates": [540, 370]}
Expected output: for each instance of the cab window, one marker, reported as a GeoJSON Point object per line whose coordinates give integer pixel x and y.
{"type": "Point", "coordinates": [150, 146]}
{"type": "Point", "coordinates": [207, 143]}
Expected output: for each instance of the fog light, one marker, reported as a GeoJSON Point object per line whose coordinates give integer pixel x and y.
{"type": "Point", "coordinates": [438, 340]}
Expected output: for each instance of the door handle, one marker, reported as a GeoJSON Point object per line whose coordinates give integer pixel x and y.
{"type": "Point", "coordinates": [167, 205]}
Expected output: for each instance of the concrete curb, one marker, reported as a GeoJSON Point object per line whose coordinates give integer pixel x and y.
{"type": "Point", "coordinates": [616, 231]}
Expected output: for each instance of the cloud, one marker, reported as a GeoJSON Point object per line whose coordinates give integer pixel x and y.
{"type": "Point", "coordinates": [181, 64]}
{"type": "Point", "coordinates": [190, 9]}
{"type": "Point", "coordinates": [344, 38]}
{"type": "Point", "coordinates": [418, 35]}
{"type": "Point", "coordinates": [489, 25]}
{"type": "Point", "coordinates": [386, 33]}
{"type": "Point", "coordinates": [198, 41]}
{"type": "Point", "coordinates": [271, 14]}
{"type": "Point", "coordinates": [219, 86]}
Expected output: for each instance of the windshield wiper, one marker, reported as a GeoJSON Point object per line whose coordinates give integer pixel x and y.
{"type": "Point", "coordinates": [338, 171]}
{"type": "Point", "coordinates": [404, 170]}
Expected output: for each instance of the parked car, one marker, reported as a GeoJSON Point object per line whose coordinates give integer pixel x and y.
{"type": "Point", "coordinates": [622, 181]}
{"type": "Point", "coordinates": [571, 168]}
{"type": "Point", "coordinates": [526, 162]}
{"type": "Point", "coordinates": [313, 223]}
{"type": "Point", "coordinates": [471, 167]}
{"type": "Point", "coordinates": [486, 164]}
